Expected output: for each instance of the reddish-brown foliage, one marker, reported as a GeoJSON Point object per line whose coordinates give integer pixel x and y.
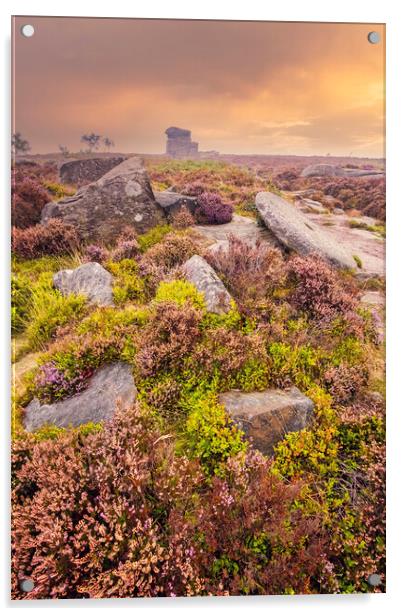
{"type": "Point", "coordinates": [171, 251]}
{"type": "Point", "coordinates": [170, 335]}
{"type": "Point", "coordinates": [251, 272]}
{"type": "Point", "coordinates": [117, 514]}
{"type": "Point", "coordinates": [52, 238]}
{"type": "Point", "coordinates": [28, 197]}
{"type": "Point", "coordinates": [182, 219]}
{"type": "Point", "coordinates": [319, 292]}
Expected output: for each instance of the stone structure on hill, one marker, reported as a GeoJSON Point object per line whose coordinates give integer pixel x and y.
{"type": "Point", "coordinates": [99, 211]}
{"type": "Point", "coordinates": [179, 144]}
{"type": "Point", "coordinates": [87, 170]}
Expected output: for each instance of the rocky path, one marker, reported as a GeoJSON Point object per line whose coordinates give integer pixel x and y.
{"type": "Point", "coordinates": [367, 245]}
{"type": "Point", "coordinates": [243, 227]}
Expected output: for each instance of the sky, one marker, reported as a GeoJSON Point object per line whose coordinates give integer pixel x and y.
{"type": "Point", "coordinates": [240, 87]}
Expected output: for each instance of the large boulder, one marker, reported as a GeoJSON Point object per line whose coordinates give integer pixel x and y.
{"type": "Point", "coordinates": [99, 211]}
{"type": "Point", "coordinates": [205, 279]}
{"type": "Point", "coordinates": [326, 170]}
{"type": "Point", "coordinates": [90, 279]}
{"type": "Point", "coordinates": [109, 386]}
{"type": "Point", "coordinates": [172, 202]}
{"type": "Point", "coordinates": [266, 416]}
{"type": "Point", "coordinates": [87, 170]}
{"type": "Point", "coordinates": [297, 232]}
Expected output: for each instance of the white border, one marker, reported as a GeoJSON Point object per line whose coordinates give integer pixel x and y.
{"type": "Point", "coordinates": [387, 11]}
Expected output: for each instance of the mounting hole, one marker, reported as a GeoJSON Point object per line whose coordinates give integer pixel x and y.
{"type": "Point", "coordinates": [27, 30]}
{"type": "Point", "coordinates": [374, 579]}
{"type": "Point", "coordinates": [27, 585]}
{"type": "Point", "coordinates": [373, 37]}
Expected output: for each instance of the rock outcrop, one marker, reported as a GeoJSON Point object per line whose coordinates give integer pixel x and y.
{"type": "Point", "coordinates": [205, 279]}
{"type": "Point", "coordinates": [171, 202]}
{"type": "Point", "coordinates": [267, 416]}
{"type": "Point", "coordinates": [111, 385]}
{"type": "Point", "coordinates": [325, 170]}
{"type": "Point", "coordinates": [297, 232]}
{"type": "Point", "coordinates": [90, 279]}
{"type": "Point", "coordinates": [99, 211]}
{"type": "Point", "coordinates": [87, 170]}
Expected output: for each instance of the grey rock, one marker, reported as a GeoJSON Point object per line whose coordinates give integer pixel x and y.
{"type": "Point", "coordinates": [243, 227]}
{"type": "Point", "coordinates": [326, 170]}
{"type": "Point", "coordinates": [338, 211]}
{"type": "Point", "coordinates": [267, 416]}
{"type": "Point", "coordinates": [90, 279]}
{"type": "Point", "coordinates": [172, 202]}
{"type": "Point", "coordinates": [87, 170]}
{"type": "Point", "coordinates": [312, 206]}
{"type": "Point", "coordinates": [111, 385]}
{"type": "Point", "coordinates": [297, 232]}
{"type": "Point", "coordinates": [373, 298]}
{"type": "Point", "coordinates": [27, 162]}
{"type": "Point", "coordinates": [205, 279]}
{"type": "Point", "coordinates": [121, 197]}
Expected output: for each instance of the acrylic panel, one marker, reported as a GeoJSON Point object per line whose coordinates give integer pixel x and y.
{"type": "Point", "coordinates": [198, 284]}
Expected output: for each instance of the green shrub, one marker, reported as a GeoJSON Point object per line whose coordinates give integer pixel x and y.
{"type": "Point", "coordinates": [210, 434]}
{"type": "Point", "coordinates": [180, 292]}
{"type": "Point", "coordinates": [299, 365]}
{"type": "Point", "coordinates": [59, 190]}
{"type": "Point", "coordinates": [50, 310]}
{"type": "Point", "coordinates": [50, 264]}
{"type": "Point", "coordinates": [343, 463]}
{"type": "Point", "coordinates": [21, 294]}
{"type": "Point", "coordinates": [51, 432]}
{"type": "Point", "coordinates": [127, 284]}
{"type": "Point", "coordinates": [153, 236]}
{"type": "Point", "coordinates": [105, 320]}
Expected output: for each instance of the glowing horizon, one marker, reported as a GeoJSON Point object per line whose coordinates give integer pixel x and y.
{"type": "Point", "coordinates": [240, 87]}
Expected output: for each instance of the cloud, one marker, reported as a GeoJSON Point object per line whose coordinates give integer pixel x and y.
{"type": "Point", "coordinates": [233, 83]}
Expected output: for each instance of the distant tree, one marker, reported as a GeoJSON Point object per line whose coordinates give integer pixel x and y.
{"type": "Point", "coordinates": [19, 145]}
{"type": "Point", "coordinates": [108, 143]}
{"type": "Point", "coordinates": [64, 150]}
{"type": "Point", "coordinates": [92, 140]}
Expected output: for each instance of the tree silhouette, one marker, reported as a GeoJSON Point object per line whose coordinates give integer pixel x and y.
{"type": "Point", "coordinates": [19, 145]}
{"type": "Point", "coordinates": [64, 150]}
{"type": "Point", "coordinates": [108, 143]}
{"type": "Point", "coordinates": [92, 141]}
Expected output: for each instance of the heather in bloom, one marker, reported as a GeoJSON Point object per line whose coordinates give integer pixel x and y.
{"type": "Point", "coordinates": [99, 254]}
{"type": "Point", "coordinates": [52, 383]}
{"type": "Point", "coordinates": [212, 210]}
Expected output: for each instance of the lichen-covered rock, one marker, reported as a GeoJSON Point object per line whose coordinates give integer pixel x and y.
{"type": "Point", "coordinates": [90, 279]}
{"type": "Point", "coordinates": [205, 279]}
{"type": "Point", "coordinates": [297, 232]}
{"type": "Point", "coordinates": [326, 170]}
{"type": "Point", "coordinates": [172, 202]}
{"type": "Point", "coordinates": [87, 170]}
{"type": "Point", "coordinates": [121, 197]}
{"type": "Point", "coordinates": [109, 386]}
{"type": "Point", "coordinates": [266, 416]}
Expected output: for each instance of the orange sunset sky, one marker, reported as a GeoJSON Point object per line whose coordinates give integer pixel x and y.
{"type": "Point", "coordinates": [241, 87]}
